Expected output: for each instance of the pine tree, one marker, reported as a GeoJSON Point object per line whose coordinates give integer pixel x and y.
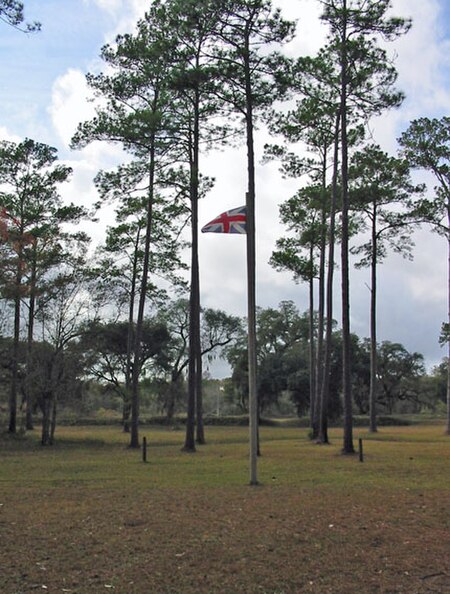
{"type": "Point", "coordinates": [34, 214]}
{"type": "Point", "coordinates": [426, 145]}
{"type": "Point", "coordinates": [365, 79]}
{"type": "Point", "coordinates": [381, 193]}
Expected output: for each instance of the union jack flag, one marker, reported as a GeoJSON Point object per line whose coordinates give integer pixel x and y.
{"type": "Point", "coordinates": [232, 221]}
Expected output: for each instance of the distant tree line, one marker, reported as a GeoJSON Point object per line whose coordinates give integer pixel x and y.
{"type": "Point", "coordinates": [195, 75]}
{"type": "Point", "coordinates": [283, 362]}
{"type": "Point", "coordinates": [95, 353]}
{"type": "Point", "coordinates": [96, 362]}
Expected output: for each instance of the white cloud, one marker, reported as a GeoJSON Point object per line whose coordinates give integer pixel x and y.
{"type": "Point", "coordinates": [5, 134]}
{"type": "Point", "coordinates": [423, 57]}
{"type": "Point", "coordinates": [310, 31]}
{"type": "Point", "coordinates": [124, 12]}
{"type": "Point", "coordinates": [69, 107]}
{"type": "Point", "coordinates": [69, 104]}
{"type": "Point", "coordinates": [111, 6]}
{"type": "Point", "coordinates": [72, 104]}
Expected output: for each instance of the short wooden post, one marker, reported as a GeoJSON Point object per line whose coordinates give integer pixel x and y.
{"type": "Point", "coordinates": [361, 453]}
{"type": "Point", "coordinates": [144, 449]}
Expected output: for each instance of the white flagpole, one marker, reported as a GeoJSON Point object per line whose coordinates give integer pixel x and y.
{"type": "Point", "coordinates": [251, 301]}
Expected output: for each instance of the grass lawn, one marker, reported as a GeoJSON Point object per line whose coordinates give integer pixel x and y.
{"type": "Point", "coordinates": [87, 516]}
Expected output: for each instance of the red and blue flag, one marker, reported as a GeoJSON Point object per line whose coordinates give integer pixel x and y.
{"type": "Point", "coordinates": [231, 221]}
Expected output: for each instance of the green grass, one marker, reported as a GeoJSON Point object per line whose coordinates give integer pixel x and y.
{"type": "Point", "coordinates": [403, 456]}
{"type": "Point", "coordinates": [97, 518]}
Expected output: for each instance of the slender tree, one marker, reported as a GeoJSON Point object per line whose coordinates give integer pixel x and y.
{"type": "Point", "coordinates": [324, 399]}
{"type": "Point", "coordinates": [52, 248]}
{"type": "Point", "coordinates": [193, 24]}
{"type": "Point", "coordinates": [302, 254]}
{"type": "Point", "coordinates": [68, 305]}
{"type": "Point", "coordinates": [426, 145]}
{"type": "Point", "coordinates": [381, 192]}
{"type": "Point", "coordinates": [365, 78]}
{"type": "Point", "coordinates": [316, 122]}
{"type": "Point", "coordinates": [120, 259]}
{"type": "Point", "coordinates": [137, 115]}
{"type": "Point", "coordinates": [29, 197]}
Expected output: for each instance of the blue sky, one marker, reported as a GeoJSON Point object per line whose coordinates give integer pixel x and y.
{"type": "Point", "coordinates": [42, 96]}
{"type": "Point", "coordinates": [72, 34]}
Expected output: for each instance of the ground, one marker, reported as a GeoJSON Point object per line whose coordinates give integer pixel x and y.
{"type": "Point", "coordinates": [89, 516]}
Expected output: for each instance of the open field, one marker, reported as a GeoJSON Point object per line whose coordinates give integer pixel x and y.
{"type": "Point", "coordinates": [88, 516]}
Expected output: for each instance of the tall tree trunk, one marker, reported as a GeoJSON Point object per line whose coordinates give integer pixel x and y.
{"type": "Point", "coordinates": [46, 419]}
{"type": "Point", "coordinates": [345, 279]}
{"type": "Point", "coordinates": [195, 404]}
{"type": "Point", "coordinates": [134, 441]}
{"type": "Point", "coordinates": [15, 350]}
{"type": "Point", "coordinates": [312, 346]}
{"type": "Point", "coordinates": [31, 314]}
{"type": "Point", "coordinates": [198, 346]}
{"type": "Point", "coordinates": [325, 384]}
{"type": "Point", "coordinates": [53, 421]}
{"type": "Point", "coordinates": [373, 328]}
{"type": "Point", "coordinates": [199, 400]}
{"type": "Point", "coordinates": [447, 430]}
{"type": "Point", "coordinates": [130, 336]}
{"type": "Point", "coordinates": [321, 309]}
{"type": "Point", "coordinates": [189, 442]}
{"type": "Point", "coordinates": [173, 389]}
